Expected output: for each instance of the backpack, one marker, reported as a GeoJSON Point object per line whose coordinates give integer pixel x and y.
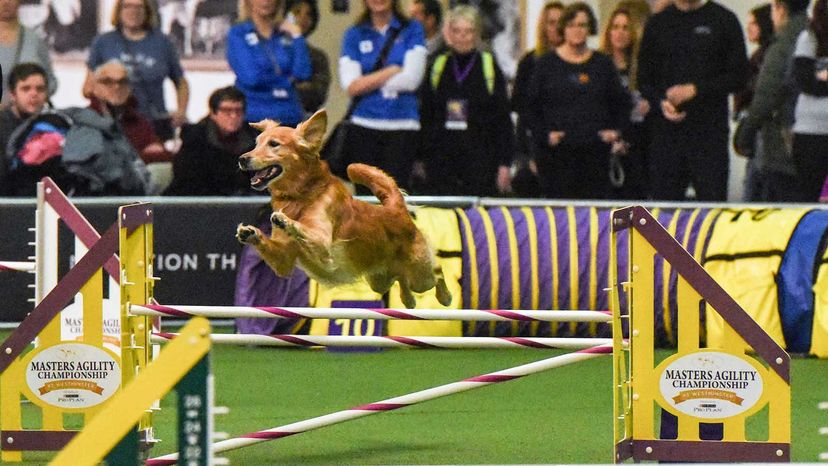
{"type": "Point", "coordinates": [34, 150]}
{"type": "Point", "coordinates": [488, 69]}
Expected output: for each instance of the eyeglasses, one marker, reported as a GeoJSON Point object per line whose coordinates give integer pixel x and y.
{"type": "Point", "coordinates": [231, 110]}
{"type": "Point", "coordinates": [109, 82]}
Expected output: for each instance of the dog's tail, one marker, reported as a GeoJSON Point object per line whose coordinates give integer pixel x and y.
{"type": "Point", "coordinates": [380, 183]}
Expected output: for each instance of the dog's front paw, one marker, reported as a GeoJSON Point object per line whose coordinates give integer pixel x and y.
{"type": "Point", "coordinates": [248, 234]}
{"type": "Point", "coordinates": [279, 219]}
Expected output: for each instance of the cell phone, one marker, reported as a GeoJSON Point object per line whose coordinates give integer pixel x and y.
{"type": "Point", "coordinates": [291, 18]}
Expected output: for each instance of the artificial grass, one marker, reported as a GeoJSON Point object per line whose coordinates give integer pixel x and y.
{"type": "Point", "coordinates": [559, 416]}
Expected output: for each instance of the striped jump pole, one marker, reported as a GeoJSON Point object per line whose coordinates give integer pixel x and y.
{"type": "Point", "coordinates": [231, 312]}
{"type": "Point", "coordinates": [16, 266]}
{"type": "Point", "coordinates": [395, 341]}
{"type": "Point", "coordinates": [396, 403]}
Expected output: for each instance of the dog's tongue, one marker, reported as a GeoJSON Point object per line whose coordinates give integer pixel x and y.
{"type": "Point", "coordinates": [261, 177]}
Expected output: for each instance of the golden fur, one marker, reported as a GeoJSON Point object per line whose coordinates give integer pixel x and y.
{"type": "Point", "coordinates": [320, 227]}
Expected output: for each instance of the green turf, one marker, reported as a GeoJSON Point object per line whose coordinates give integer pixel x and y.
{"type": "Point", "coordinates": [561, 416]}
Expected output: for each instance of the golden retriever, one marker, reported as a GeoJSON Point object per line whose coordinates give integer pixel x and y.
{"type": "Point", "coordinates": [318, 225]}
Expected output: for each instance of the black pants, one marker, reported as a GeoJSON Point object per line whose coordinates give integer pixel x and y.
{"type": "Point", "coordinates": [810, 153]}
{"type": "Point", "coordinates": [392, 151]}
{"type": "Point", "coordinates": [680, 156]}
{"type": "Point", "coordinates": [575, 171]}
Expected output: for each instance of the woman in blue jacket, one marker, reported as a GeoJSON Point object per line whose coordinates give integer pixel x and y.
{"type": "Point", "coordinates": [385, 117]}
{"type": "Point", "coordinates": [268, 53]}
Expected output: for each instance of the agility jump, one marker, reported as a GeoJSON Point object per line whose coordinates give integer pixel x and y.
{"type": "Point", "coordinates": [636, 376]}
{"type": "Point", "coordinates": [85, 280]}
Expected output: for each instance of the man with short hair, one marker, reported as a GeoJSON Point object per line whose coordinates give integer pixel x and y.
{"type": "Point", "coordinates": [207, 164]}
{"type": "Point", "coordinates": [430, 14]}
{"type": "Point", "coordinates": [692, 55]}
{"type": "Point", "coordinates": [28, 91]}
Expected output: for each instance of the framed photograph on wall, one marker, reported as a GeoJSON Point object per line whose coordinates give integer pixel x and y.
{"type": "Point", "coordinates": [68, 25]}
{"type": "Point", "coordinates": [198, 29]}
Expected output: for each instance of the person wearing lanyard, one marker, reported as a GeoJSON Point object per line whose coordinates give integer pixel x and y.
{"type": "Point", "coordinates": [465, 115]}
{"type": "Point", "coordinates": [381, 66]}
{"type": "Point", "coordinates": [268, 53]}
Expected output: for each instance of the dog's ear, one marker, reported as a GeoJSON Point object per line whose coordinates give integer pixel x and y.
{"type": "Point", "coordinates": [264, 124]}
{"type": "Point", "coordinates": [312, 131]}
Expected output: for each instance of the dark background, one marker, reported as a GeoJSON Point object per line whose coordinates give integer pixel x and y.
{"type": "Point", "coordinates": [195, 229]}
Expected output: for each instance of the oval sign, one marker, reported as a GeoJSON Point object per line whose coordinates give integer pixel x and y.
{"type": "Point", "coordinates": [73, 375]}
{"type": "Point", "coordinates": [710, 385]}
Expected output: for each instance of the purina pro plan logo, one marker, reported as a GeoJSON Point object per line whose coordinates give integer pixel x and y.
{"type": "Point", "coordinates": [710, 384]}
{"type": "Point", "coordinates": [72, 375]}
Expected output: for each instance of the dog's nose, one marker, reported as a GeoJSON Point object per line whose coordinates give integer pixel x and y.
{"type": "Point", "coordinates": [244, 159]}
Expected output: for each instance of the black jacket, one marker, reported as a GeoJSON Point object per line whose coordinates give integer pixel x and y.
{"type": "Point", "coordinates": [206, 166]}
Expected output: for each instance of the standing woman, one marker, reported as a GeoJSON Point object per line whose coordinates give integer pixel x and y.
{"type": "Point", "coordinates": [465, 115]}
{"type": "Point", "coordinates": [759, 32]}
{"type": "Point", "coordinates": [547, 39]}
{"type": "Point", "coordinates": [150, 58]}
{"type": "Point", "coordinates": [314, 92]}
{"type": "Point", "coordinates": [620, 42]}
{"type": "Point", "coordinates": [381, 66]}
{"type": "Point", "coordinates": [810, 143]}
{"type": "Point", "coordinates": [268, 53]}
{"type": "Point", "coordinates": [579, 109]}
{"type": "Point", "coordinates": [19, 44]}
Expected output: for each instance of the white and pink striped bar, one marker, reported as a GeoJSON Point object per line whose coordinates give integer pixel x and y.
{"type": "Point", "coordinates": [230, 312]}
{"type": "Point", "coordinates": [16, 266]}
{"type": "Point", "coordinates": [396, 403]}
{"type": "Point", "coordinates": [395, 341]}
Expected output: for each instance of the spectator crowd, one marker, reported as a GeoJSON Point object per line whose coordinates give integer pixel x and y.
{"type": "Point", "coordinates": [647, 114]}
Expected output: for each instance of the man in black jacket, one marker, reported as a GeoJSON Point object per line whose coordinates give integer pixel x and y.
{"type": "Point", "coordinates": [207, 164]}
{"type": "Point", "coordinates": [692, 56]}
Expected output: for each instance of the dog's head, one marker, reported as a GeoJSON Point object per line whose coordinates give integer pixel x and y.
{"type": "Point", "coordinates": [284, 156]}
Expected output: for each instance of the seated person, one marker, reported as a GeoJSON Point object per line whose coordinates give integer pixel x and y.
{"type": "Point", "coordinates": [138, 128]}
{"type": "Point", "coordinates": [97, 149]}
{"type": "Point", "coordinates": [207, 164]}
{"type": "Point", "coordinates": [28, 93]}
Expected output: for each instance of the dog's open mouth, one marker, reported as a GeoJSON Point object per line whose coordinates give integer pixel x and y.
{"type": "Point", "coordinates": [264, 176]}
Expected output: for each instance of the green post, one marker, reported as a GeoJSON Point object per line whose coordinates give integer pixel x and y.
{"type": "Point", "coordinates": [125, 452]}
{"type": "Point", "coordinates": [194, 420]}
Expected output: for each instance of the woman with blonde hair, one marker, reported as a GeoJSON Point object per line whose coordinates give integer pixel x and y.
{"type": "Point", "coordinates": [619, 41]}
{"type": "Point", "coordinates": [151, 59]}
{"type": "Point", "coordinates": [546, 39]}
{"type": "Point", "coordinates": [465, 115]}
{"type": "Point", "coordinates": [268, 53]}
{"type": "Point", "coordinates": [381, 66]}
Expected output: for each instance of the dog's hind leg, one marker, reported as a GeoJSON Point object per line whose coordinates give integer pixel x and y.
{"type": "Point", "coordinates": [443, 293]}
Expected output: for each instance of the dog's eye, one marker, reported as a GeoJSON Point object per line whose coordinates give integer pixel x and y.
{"type": "Point", "coordinates": [273, 143]}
